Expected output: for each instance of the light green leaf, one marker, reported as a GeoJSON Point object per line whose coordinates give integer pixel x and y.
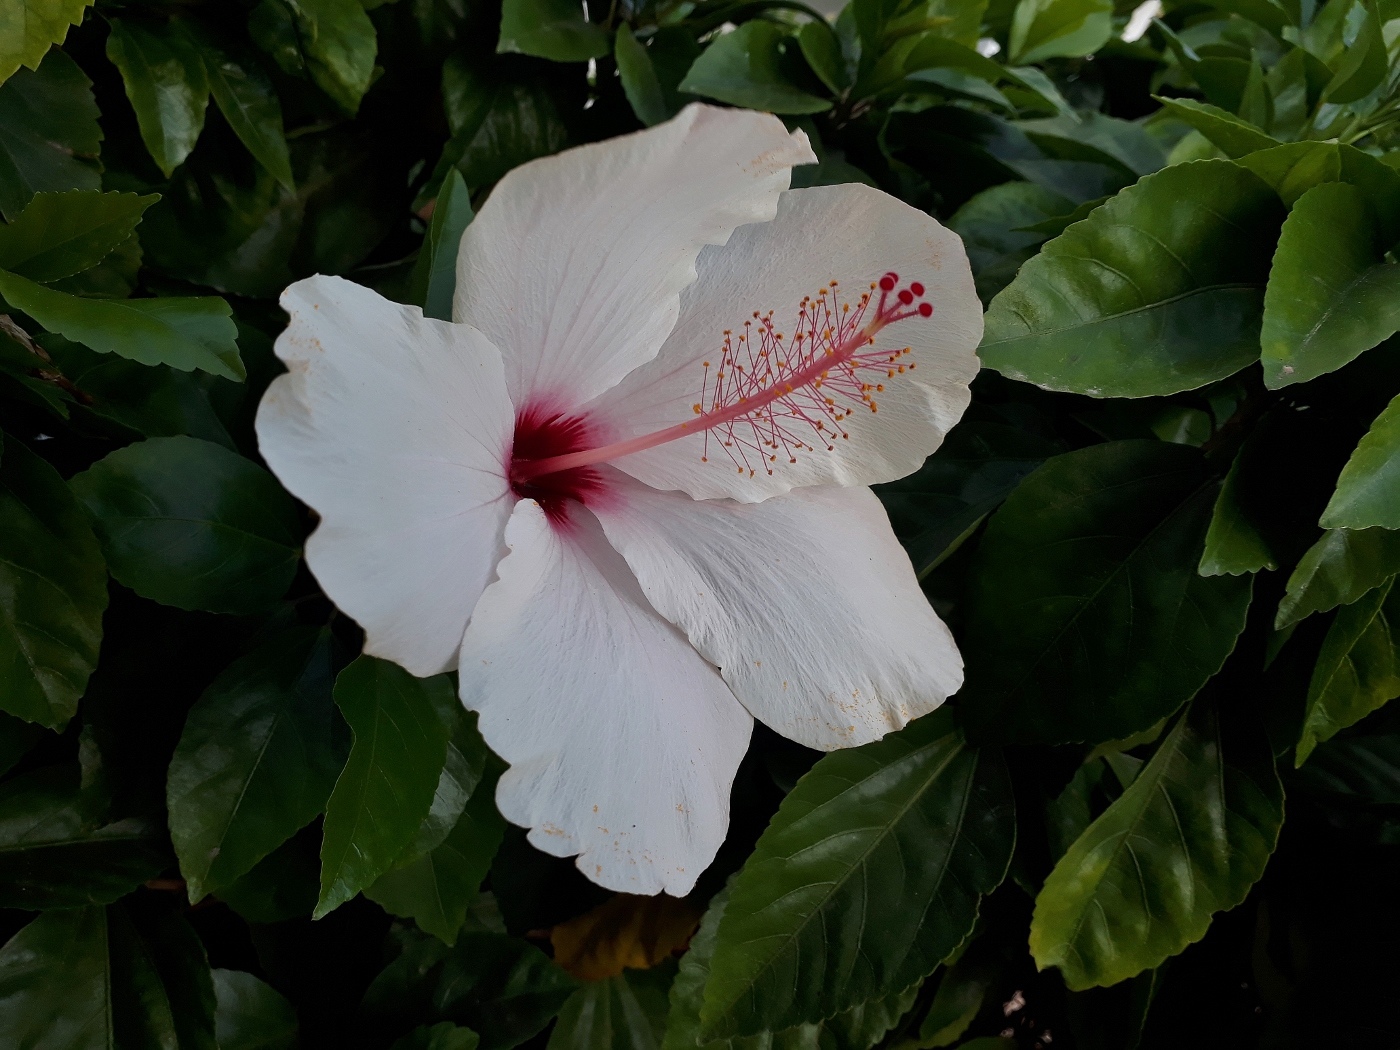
{"type": "Point", "coordinates": [55, 853]}
{"type": "Point", "coordinates": [1368, 490]}
{"type": "Point", "coordinates": [1337, 570]}
{"type": "Point", "coordinates": [435, 270]}
{"type": "Point", "coordinates": [869, 876]}
{"type": "Point", "coordinates": [388, 783]}
{"type": "Point", "coordinates": [245, 97]}
{"type": "Point", "coordinates": [1188, 838]}
{"type": "Point", "coordinates": [49, 136]}
{"type": "Point", "coordinates": [1234, 136]}
{"type": "Point", "coordinates": [257, 760]}
{"type": "Point", "coordinates": [1157, 291]}
{"type": "Point", "coordinates": [188, 523]}
{"type": "Point", "coordinates": [184, 333]}
{"type": "Point", "coordinates": [1042, 29]}
{"type": "Point", "coordinates": [29, 27]}
{"type": "Point", "coordinates": [1331, 294]}
{"type": "Point", "coordinates": [251, 1015]}
{"type": "Point", "coordinates": [60, 234]}
{"type": "Point", "coordinates": [1233, 544]}
{"type": "Point", "coordinates": [53, 590]}
{"type": "Point", "coordinates": [1086, 618]}
{"type": "Point", "coordinates": [166, 83]}
{"type": "Point", "coordinates": [553, 29]}
{"type": "Point", "coordinates": [639, 80]}
{"type": "Point", "coordinates": [339, 45]}
{"type": "Point", "coordinates": [55, 983]}
{"type": "Point", "coordinates": [1357, 670]}
{"type": "Point", "coordinates": [744, 68]}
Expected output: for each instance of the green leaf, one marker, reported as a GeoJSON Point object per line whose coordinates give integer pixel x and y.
{"type": "Point", "coordinates": [257, 760]}
{"type": "Point", "coordinates": [60, 234]}
{"type": "Point", "coordinates": [1368, 490]}
{"type": "Point", "coordinates": [435, 271]}
{"type": "Point", "coordinates": [30, 27]}
{"type": "Point", "coordinates": [1157, 291]}
{"type": "Point", "coordinates": [388, 783]}
{"type": "Point", "coordinates": [246, 98]}
{"type": "Point", "coordinates": [283, 885]}
{"type": "Point", "coordinates": [49, 134]}
{"type": "Point", "coordinates": [444, 1036]}
{"type": "Point", "coordinates": [1331, 294]}
{"type": "Point", "coordinates": [1296, 167]}
{"type": "Point", "coordinates": [1364, 64]}
{"type": "Point", "coordinates": [1086, 618]}
{"type": "Point", "coordinates": [627, 1012]}
{"type": "Point", "coordinates": [993, 226]}
{"type": "Point", "coordinates": [868, 877]}
{"type": "Point", "coordinates": [639, 80]}
{"type": "Point", "coordinates": [1188, 838]}
{"type": "Point", "coordinates": [1337, 570]}
{"type": "Point", "coordinates": [1098, 139]}
{"type": "Point", "coordinates": [1233, 543]}
{"type": "Point", "coordinates": [976, 468]}
{"type": "Point", "coordinates": [54, 854]}
{"type": "Point", "coordinates": [161, 989]}
{"type": "Point", "coordinates": [553, 29]}
{"type": "Point", "coordinates": [251, 1015]}
{"type": "Point", "coordinates": [436, 886]}
{"type": "Point", "coordinates": [955, 1005]}
{"type": "Point", "coordinates": [746, 68]}
{"type": "Point", "coordinates": [166, 83]}
{"type": "Point", "coordinates": [53, 590]}
{"type": "Point", "coordinates": [55, 983]}
{"type": "Point", "coordinates": [184, 333]}
{"type": "Point", "coordinates": [1042, 29]}
{"type": "Point", "coordinates": [856, 1029]}
{"type": "Point", "coordinates": [1357, 670]}
{"type": "Point", "coordinates": [188, 523]}
{"type": "Point", "coordinates": [339, 45]}
{"type": "Point", "coordinates": [1234, 136]}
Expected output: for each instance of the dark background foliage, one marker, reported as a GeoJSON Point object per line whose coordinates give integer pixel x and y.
{"type": "Point", "coordinates": [1165, 535]}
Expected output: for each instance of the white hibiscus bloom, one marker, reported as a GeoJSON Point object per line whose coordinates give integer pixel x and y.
{"type": "Point", "coordinates": [624, 492]}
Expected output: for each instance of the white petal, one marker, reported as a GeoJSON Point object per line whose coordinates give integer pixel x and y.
{"type": "Point", "coordinates": [806, 602]}
{"type": "Point", "coordinates": [395, 429]}
{"type": "Point", "coordinates": [575, 263]}
{"type": "Point", "coordinates": [852, 234]}
{"type": "Point", "coordinates": [622, 741]}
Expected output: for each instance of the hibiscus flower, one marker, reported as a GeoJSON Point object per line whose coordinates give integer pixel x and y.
{"type": "Point", "coordinates": [624, 492]}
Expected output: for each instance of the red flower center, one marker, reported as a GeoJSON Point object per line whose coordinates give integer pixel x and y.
{"type": "Point", "coordinates": [540, 433]}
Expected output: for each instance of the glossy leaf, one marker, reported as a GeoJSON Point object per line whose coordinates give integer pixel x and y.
{"type": "Point", "coordinates": [54, 983]}
{"type": "Point", "coordinates": [869, 876]}
{"type": "Point", "coordinates": [745, 68]}
{"type": "Point", "coordinates": [1296, 167]}
{"type": "Point", "coordinates": [1188, 838]}
{"type": "Point", "coordinates": [251, 1015]}
{"type": "Point", "coordinates": [1368, 490]}
{"type": "Point", "coordinates": [1234, 137]}
{"type": "Point", "coordinates": [246, 98]}
{"type": "Point", "coordinates": [1331, 294]}
{"type": "Point", "coordinates": [639, 80]}
{"type": "Point", "coordinates": [1157, 291]}
{"type": "Point", "coordinates": [1087, 620]}
{"type": "Point", "coordinates": [49, 134]}
{"type": "Point", "coordinates": [54, 853]}
{"type": "Point", "coordinates": [60, 234]}
{"type": "Point", "coordinates": [1337, 570]}
{"type": "Point", "coordinates": [554, 29]}
{"type": "Point", "coordinates": [1042, 29]}
{"type": "Point", "coordinates": [435, 271]}
{"type": "Point", "coordinates": [166, 83]}
{"type": "Point", "coordinates": [626, 1012]}
{"type": "Point", "coordinates": [184, 333]}
{"type": "Point", "coordinates": [1357, 670]}
{"type": "Point", "coordinates": [32, 27]}
{"type": "Point", "coordinates": [339, 45]}
{"type": "Point", "coordinates": [1364, 64]}
{"type": "Point", "coordinates": [188, 523]}
{"type": "Point", "coordinates": [53, 590]}
{"type": "Point", "coordinates": [387, 786]}
{"type": "Point", "coordinates": [257, 760]}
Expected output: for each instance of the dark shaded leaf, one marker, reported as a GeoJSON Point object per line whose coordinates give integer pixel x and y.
{"type": "Point", "coordinates": [554, 29]}
{"type": "Point", "coordinates": [54, 983]}
{"type": "Point", "coordinates": [60, 234]}
{"type": "Point", "coordinates": [745, 68]}
{"type": "Point", "coordinates": [435, 271]}
{"type": "Point", "coordinates": [1337, 570]}
{"type": "Point", "coordinates": [48, 133]}
{"type": "Point", "coordinates": [250, 1015]}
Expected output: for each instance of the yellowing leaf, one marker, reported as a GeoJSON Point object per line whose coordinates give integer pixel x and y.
{"type": "Point", "coordinates": [626, 932]}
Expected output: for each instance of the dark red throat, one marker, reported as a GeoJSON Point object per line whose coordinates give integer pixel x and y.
{"type": "Point", "coordinates": [541, 432]}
